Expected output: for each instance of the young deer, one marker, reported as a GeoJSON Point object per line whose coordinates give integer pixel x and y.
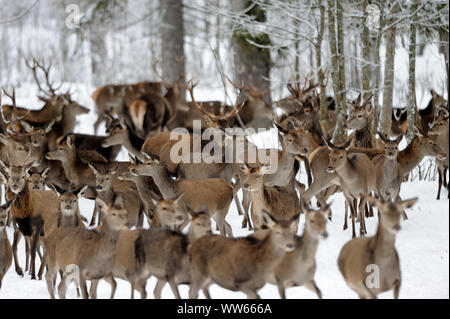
{"type": "Point", "coordinates": [379, 250]}
{"type": "Point", "coordinates": [281, 202]}
{"type": "Point", "coordinates": [170, 214]}
{"type": "Point", "coordinates": [388, 172]}
{"type": "Point", "coordinates": [440, 133]}
{"type": "Point", "coordinates": [360, 120]}
{"type": "Point", "coordinates": [79, 174]}
{"type": "Point", "coordinates": [37, 181]}
{"type": "Point", "coordinates": [69, 212]}
{"type": "Point", "coordinates": [240, 264]}
{"type": "Point", "coordinates": [298, 267]}
{"type": "Point", "coordinates": [91, 250]}
{"type": "Point", "coordinates": [122, 135]}
{"type": "Point", "coordinates": [216, 193]}
{"type": "Point", "coordinates": [5, 245]}
{"type": "Point", "coordinates": [356, 175]}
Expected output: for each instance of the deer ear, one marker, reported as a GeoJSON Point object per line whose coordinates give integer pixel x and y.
{"type": "Point", "coordinates": [93, 169]}
{"type": "Point", "coordinates": [408, 203]}
{"type": "Point", "coordinates": [70, 141]}
{"type": "Point", "coordinates": [132, 158]}
{"type": "Point", "coordinates": [4, 167]}
{"type": "Point", "coordinates": [433, 93]}
{"type": "Point", "coordinates": [176, 199]}
{"type": "Point", "coordinates": [265, 168]}
{"type": "Point", "coordinates": [347, 144]}
{"type": "Point", "coordinates": [374, 202]}
{"type": "Point", "coordinates": [268, 220]}
{"type": "Point", "coordinates": [26, 126]}
{"type": "Point", "coordinates": [82, 191]}
{"type": "Point", "coordinates": [244, 167]}
{"type": "Point", "coordinates": [118, 202]}
{"type": "Point", "coordinates": [399, 139]}
{"type": "Point", "coordinates": [101, 205]}
{"type": "Point", "coordinates": [3, 179]}
{"type": "Point", "coordinates": [280, 128]}
{"type": "Point", "coordinates": [44, 174]}
{"type": "Point", "coordinates": [48, 128]}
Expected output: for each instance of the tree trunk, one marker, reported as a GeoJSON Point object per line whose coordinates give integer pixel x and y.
{"type": "Point", "coordinates": [320, 75]}
{"type": "Point", "coordinates": [366, 68]}
{"type": "Point", "coordinates": [340, 43]}
{"type": "Point", "coordinates": [252, 62]}
{"type": "Point", "coordinates": [339, 135]}
{"type": "Point", "coordinates": [389, 64]}
{"type": "Point", "coordinates": [98, 54]}
{"type": "Point", "coordinates": [377, 64]}
{"type": "Point", "coordinates": [172, 40]}
{"type": "Point", "coordinates": [412, 75]}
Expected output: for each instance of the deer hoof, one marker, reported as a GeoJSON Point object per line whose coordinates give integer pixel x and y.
{"type": "Point", "coordinates": [345, 226]}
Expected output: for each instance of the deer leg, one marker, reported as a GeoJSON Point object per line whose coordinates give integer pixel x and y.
{"type": "Point", "coordinates": [307, 170]}
{"type": "Point", "coordinates": [238, 205]}
{"type": "Point", "coordinates": [251, 293]}
{"type": "Point", "coordinates": [445, 177]}
{"type": "Point", "coordinates": [43, 263]}
{"type": "Point", "coordinates": [281, 289]}
{"type": "Point", "coordinates": [246, 205]}
{"type": "Point", "coordinates": [361, 208]}
{"type": "Point", "coordinates": [83, 287]}
{"type": "Point", "coordinates": [94, 215]}
{"type": "Point", "coordinates": [50, 278]}
{"type": "Point", "coordinates": [17, 235]}
{"type": "Point", "coordinates": [206, 293]}
{"type": "Point", "coordinates": [140, 286]}
{"type": "Point", "coordinates": [62, 288]}
{"type": "Point", "coordinates": [346, 214]}
{"type": "Point", "coordinates": [99, 120]}
{"type": "Point", "coordinates": [112, 282]}
{"type": "Point", "coordinates": [93, 289]}
{"type": "Point", "coordinates": [27, 252]}
{"type": "Point", "coordinates": [353, 214]}
{"type": "Point", "coordinates": [158, 288]}
{"type": "Point", "coordinates": [439, 183]}
{"type": "Point", "coordinates": [174, 288]}
{"type": "Point", "coordinates": [311, 285]}
{"type": "Point", "coordinates": [397, 286]}
{"type": "Point", "coordinates": [34, 247]}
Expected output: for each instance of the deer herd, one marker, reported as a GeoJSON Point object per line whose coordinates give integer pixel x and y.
{"type": "Point", "coordinates": [152, 215]}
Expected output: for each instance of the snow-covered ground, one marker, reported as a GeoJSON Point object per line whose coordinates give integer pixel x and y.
{"type": "Point", "coordinates": [423, 242]}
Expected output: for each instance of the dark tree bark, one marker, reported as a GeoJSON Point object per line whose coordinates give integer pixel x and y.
{"type": "Point", "coordinates": [252, 62]}
{"type": "Point", "coordinates": [172, 40]}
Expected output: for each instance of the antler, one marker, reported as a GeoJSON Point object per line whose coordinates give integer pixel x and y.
{"type": "Point", "coordinates": [11, 129]}
{"type": "Point", "coordinates": [215, 118]}
{"type": "Point", "coordinates": [36, 65]}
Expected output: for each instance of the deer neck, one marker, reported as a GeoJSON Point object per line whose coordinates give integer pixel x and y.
{"type": "Point", "coordinates": [71, 166]}
{"type": "Point", "coordinates": [166, 185]}
{"type": "Point", "coordinates": [106, 195]}
{"type": "Point", "coordinates": [285, 169]}
{"type": "Point", "coordinates": [346, 171]}
{"type": "Point", "coordinates": [307, 248]}
{"type": "Point", "coordinates": [3, 238]}
{"type": "Point", "coordinates": [108, 237]}
{"type": "Point", "coordinates": [390, 168]}
{"type": "Point", "coordinates": [144, 191]}
{"type": "Point", "coordinates": [384, 240]}
{"type": "Point", "coordinates": [269, 252]}
{"type": "Point", "coordinates": [364, 138]}
{"type": "Point", "coordinates": [411, 156]}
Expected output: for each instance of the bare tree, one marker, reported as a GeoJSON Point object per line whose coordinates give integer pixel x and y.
{"type": "Point", "coordinates": [172, 40]}
{"type": "Point", "coordinates": [388, 91]}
